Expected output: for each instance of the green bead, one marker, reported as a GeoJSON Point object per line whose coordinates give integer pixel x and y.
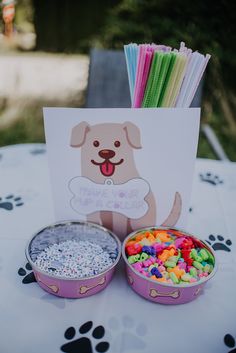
{"type": "Point", "coordinates": [193, 254]}
{"type": "Point", "coordinates": [165, 274]}
{"type": "Point", "coordinates": [198, 258]}
{"type": "Point", "coordinates": [186, 277]}
{"type": "Point", "coordinates": [206, 268]}
{"type": "Point", "coordinates": [173, 259]}
{"type": "Point", "coordinates": [211, 258]}
{"type": "Point", "coordinates": [173, 277]}
{"type": "Point", "coordinates": [203, 254]}
{"type": "Point", "coordinates": [137, 257]}
{"type": "Point", "coordinates": [198, 265]}
{"type": "Point", "coordinates": [170, 264]}
{"type": "Point", "coordinates": [193, 272]}
{"type": "Point", "coordinates": [131, 259]}
{"type": "Point", "coordinates": [144, 256]}
{"type": "Point", "coordinates": [211, 268]}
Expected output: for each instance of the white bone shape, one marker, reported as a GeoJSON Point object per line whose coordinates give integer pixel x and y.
{"type": "Point", "coordinates": [127, 199]}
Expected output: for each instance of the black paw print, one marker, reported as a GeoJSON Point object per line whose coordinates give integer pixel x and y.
{"type": "Point", "coordinates": [211, 179]}
{"type": "Point", "coordinates": [83, 344]}
{"type": "Point", "coordinates": [10, 201]}
{"type": "Point", "coordinates": [219, 244]}
{"type": "Point", "coordinates": [28, 277]}
{"type": "Point", "coordinates": [230, 342]}
{"type": "Point", "coordinates": [38, 150]}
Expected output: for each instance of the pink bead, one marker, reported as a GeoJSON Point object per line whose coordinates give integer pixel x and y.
{"type": "Point", "coordinates": [192, 280]}
{"type": "Point", "coordinates": [158, 247]}
{"type": "Point", "coordinates": [137, 266]}
{"type": "Point", "coordinates": [205, 274]}
{"type": "Point", "coordinates": [161, 268]}
{"type": "Point", "coordinates": [159, 262]}
{"type": "Point", "coordinates": [147, 263]}
{"type": "Point", "coordinates": [179, 241]}
{"type": "Point", "coordinates": [182, 265]}
{"type": "Point", "coordinates": [201, 275]}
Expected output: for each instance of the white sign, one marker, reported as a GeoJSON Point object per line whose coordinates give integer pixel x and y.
{"type": "Point", "coordinates": [122, 168]}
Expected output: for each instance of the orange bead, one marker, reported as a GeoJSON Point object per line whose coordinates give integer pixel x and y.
{"type": "Point", "coordinates": [162, 279]}
{"type": "Point", "coordinates": [162, 236]}
{"type": "Point", "coordinates": [140, 236]}
{"type": "Point", "coordinates": [177, 271]}
{"type": "Point", "coordinates": [155, 233]}
{"type": "Point", "coordinates": [153, 277]}
{"type": "Point", "coordinates": [151, 238]}
{"type": "Point", "coordinates": [171, 252]}
{"type": "Point", "coordinates": [164, 256]}
{"type": "Point", "coordinates": [130, 242]}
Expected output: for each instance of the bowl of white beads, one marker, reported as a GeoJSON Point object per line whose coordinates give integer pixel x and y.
{"type": "Point", "coordinates": [73, 259]}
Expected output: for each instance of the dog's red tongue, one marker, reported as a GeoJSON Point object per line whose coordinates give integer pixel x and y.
{"type": "Point", "coordinates": [107, 168]}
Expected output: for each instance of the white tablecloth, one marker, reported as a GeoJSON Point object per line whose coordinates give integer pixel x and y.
{"type": "Point", "coordinates": [33, 321]}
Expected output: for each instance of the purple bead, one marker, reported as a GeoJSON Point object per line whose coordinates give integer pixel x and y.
{"type": "Point", "coordinates": [159, 246]}
{"type": "Point", "coordinates": [155, 272]}
{"type": "Point", "coordinates": [149, 250]}
{"type": "Point", "coordinates": [179, 241]}
{"type": "Point", "coordinates": [182, 265]}
{"type": "Point", "coordinates": [137, 266]}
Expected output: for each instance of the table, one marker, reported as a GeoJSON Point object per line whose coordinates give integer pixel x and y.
{"type": "Point", "coordinates": [116, 319]}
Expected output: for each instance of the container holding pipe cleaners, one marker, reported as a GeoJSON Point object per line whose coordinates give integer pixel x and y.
{"type": "Point", "coordinates": [163, 77]}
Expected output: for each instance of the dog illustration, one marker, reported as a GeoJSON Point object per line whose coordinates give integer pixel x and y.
{"type": "Point", "coordinates": [107, 153]}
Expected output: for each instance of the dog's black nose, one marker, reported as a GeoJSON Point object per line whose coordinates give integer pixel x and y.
{"type": "Point", "coordinates": [106, 154]}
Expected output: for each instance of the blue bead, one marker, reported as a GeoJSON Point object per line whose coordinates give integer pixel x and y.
{"type": "Point", "coordinates": [153, 270]}
{"type": "Point", "coordinates": [156, 272]}
{"type": "Point", "coordinates": [149, 250]}
{"type": "Point", "coordinates": [145, 248]}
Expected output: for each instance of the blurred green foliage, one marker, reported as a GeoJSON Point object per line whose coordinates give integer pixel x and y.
{"type": "Point", "coordinates": [206, 26]}
{"type": "Point", "coordinates": [28, 129]}
{"type": "Point", "coordinates": [69, 25]}
{"type": "Point", "coordinates": [24, 16]}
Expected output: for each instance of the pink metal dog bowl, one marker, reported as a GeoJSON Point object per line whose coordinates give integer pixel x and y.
{"type": "Point", "coordinates": [165, 293]}
{"type": "Point", "coordinates": [76, 231]}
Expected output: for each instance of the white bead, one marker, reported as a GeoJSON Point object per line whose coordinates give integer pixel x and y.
{"type": "Point", "coordinates": [73, 259]}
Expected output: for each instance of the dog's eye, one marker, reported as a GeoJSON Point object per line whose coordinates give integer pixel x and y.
{"type": "Point", "coordinates": [96, 143]}
{"type": "Point", "coordinates": [117, 143]}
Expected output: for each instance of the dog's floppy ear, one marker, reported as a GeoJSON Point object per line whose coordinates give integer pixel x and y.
{"type": "Point", "coordinates": [132, 134]}
{"type": "Point", "coordinates": [78, 134]}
